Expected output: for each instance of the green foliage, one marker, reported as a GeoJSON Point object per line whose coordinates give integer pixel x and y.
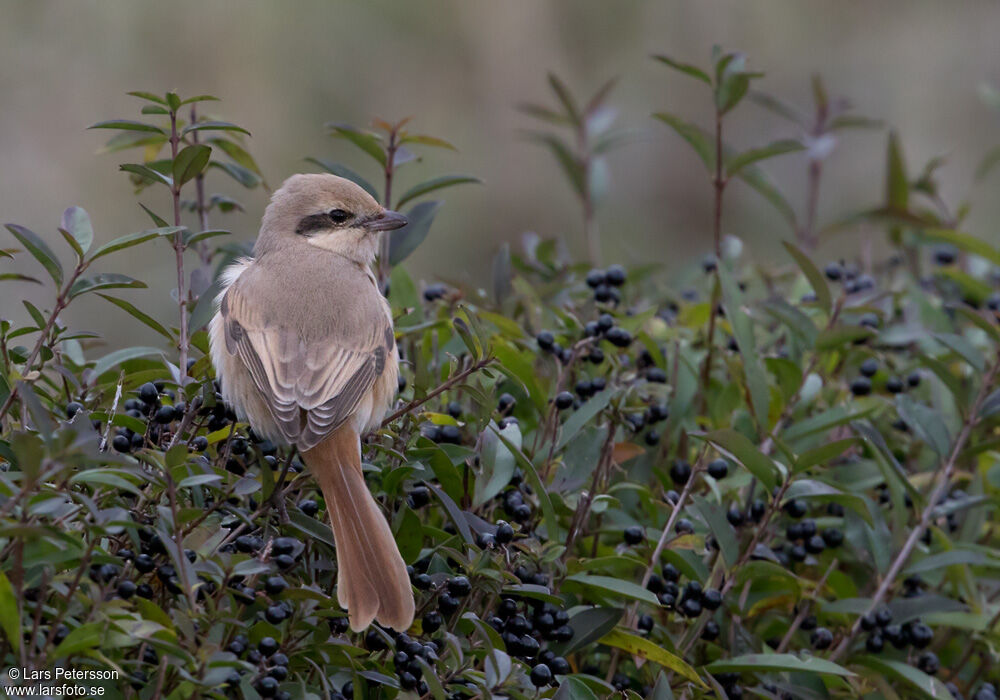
{"type": "Point", "coordinates": [778, 479]}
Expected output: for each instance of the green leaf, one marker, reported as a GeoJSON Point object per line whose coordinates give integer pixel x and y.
{"type": "Point", "coordinates": [213, 126]}
{"type": "Point", "coordinates": [435, 184]}
{"type": "Point", "coordinates": [686, 68]}
{"type": "Point", "coordinates": [39, 250]}
{"type": "Point", "coordinates": [897, 187]}
{"type": "Point", "coordinates": [409, 535]}
{"type": "Point", "coordinates": [700, 140]}
{"type": "Point", "coordinates": [964, 241]}
{"type": "Point", "coordinates": [345, 172]}
{"type": "Point", "coordinates": [963, 348]}
{"type": "Point", "coordinates": [639, 646]}
{"type": "Point", "coordinates": [148, 96]}
{"type": "Point", "coordinates": [105, 280]}
{"type": "Point", "coordinates": [245, 177]}
{"type": "Point", "coordinates": [19, 277]}
{"type": "Point", "coordinates": [572, 688]}
{"type": "Point", "coordinates": [84, 637]}
{"type": "Point", "coordinates": [139, 314]}
{"type": "Point", "coordinates": [756, 377]}
{"type": "Point", "coordinates": [732, 81]}
{"type": "Point", "coordinates": [146, 173]}
{"type": "Point", "coordinates": [129, 240]}
{"type": "Point", "coordinates": [425, 140]}
{"type": "Point", "coordinates": [76, 221]}
{"type": "Point", "coordinates": [927, 686]}
{"type": "Point", "coordinates": [809, 489]}
{"type": "Point", "coordinates": [611, 587]}
{"type": "Point", "coordinates": [812, 273]}
{"type": "Point", "coordinates": [205, 235]}
{"type": "Point", "coordinates": [720, 527]}
{"type": "Point", "coordinates": [823, 453]}
{"type": "Point", "coordinates": [548, 512]}
{"type": "Point", "coordinates": [366, 141]}
{"type": "Point", "coordinates": [956, 557]}
{"type": "Point", "coordinates": [568, 103]}
{"type": "Point", "coordinates": [128, 125]}
{"type": "Point", "coordinates": [405, 240]}
{"type": "Point", "coordinates": [571, 166]}
{"type": "Point", "coordinates": [776, 148]}
{"type": "Point", "coordinates": [237, 153]}
{"type": "Point", "coordinates": [926, 423]}
{"type": "Point", "coordinates": [841, 336]}
{"type": "Point", "coordinates": [582, 416]}
{"type": "Point", "coordinates": [746, 453]}
{"type": "Point", "coordinates": [116, 358]}
{"type": "Point", "coordinates": [190, 163]}
{"type": "Point", "coordinates": [589, 625]}
{"type": "Point", "coordinates": [200, 98]}
{"type": "Point", "coordinates": [454, 512]}
{"type": "Point", "coordinates": [757, 663]}
{"type": "Point", "coordinates": [755, 178]}
{"type": "Point", "coordinates": [10, 614]}
{"type": "Point", "coordinates": [988, 162]}
{"type": "Point", "coordinates": [498, 462]}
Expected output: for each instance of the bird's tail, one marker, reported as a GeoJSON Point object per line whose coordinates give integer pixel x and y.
{"type": "Point", "coordinates": [372, 582]}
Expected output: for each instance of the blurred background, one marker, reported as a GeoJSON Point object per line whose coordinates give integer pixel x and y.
{"type": "Point", "coordinates": [460, 67]}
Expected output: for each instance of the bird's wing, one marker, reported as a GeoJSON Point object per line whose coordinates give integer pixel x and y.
{"type": "Point", "coordinates": [312, 383]}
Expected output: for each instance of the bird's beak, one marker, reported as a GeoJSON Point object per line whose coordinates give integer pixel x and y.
{"type": "Point", "coordinates": [388, 220]}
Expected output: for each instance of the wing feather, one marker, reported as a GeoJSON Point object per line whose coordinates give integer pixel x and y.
{"type": "Point", "coordinates": [313, 386]}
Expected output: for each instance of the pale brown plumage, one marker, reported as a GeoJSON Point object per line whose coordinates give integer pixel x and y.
{"type": "Point", "coordinates": [304, 348]}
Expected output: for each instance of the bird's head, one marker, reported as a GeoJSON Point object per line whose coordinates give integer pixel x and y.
{"type": "Point", "coordinates": [329, 212]}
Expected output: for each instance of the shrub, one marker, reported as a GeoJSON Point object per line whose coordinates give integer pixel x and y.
{"type": "Point", "coordinates": [778, 479]}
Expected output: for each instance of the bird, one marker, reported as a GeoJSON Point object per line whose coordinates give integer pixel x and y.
{"type": "Point", "coordinates": [304, 349]}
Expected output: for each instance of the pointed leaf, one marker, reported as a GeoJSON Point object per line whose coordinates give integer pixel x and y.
{"type": "Point", "coordinates": [562, 92]}
{"type": "Point", "coordinates": [77, 222]}
{"type": "Point", "coordinates": [39, 250]}
{"type": "Point", "coordinates": [650, 651]}
{"type": "Point", "coordinates": [146, 173]}
{"type": "Point", "coordinates": [213, 126]}
{"type": "Point", "coordinates": [367, 142]}
{"type": "Point", "coordinates": [697, 137]}
{"type": "Point", "coordinates": [743, 331]}
{"type": "Point", "coordinates": [927, 686]}
{"type": "Point", "coordinates": [190, 163]}
{"type": "Point", "coordinates": [686, 68]}
{"type": "Point", "coordinates": [753, 155]}
{"type": "Point", "coordinates": [148, 96]}
{"type": "Point", "coordinates": [242, 175]}
{"type": "Point", "coordinates": [237, 153]}
{"type": "Point", "coordinates": [10, 613]}
{"type": "Point", "coordinates": [141, 315]}
{"type": "Point", "coordinates": [754, 663]}
{"type": "Point", "coordinates": [129, 240]}
{"type": "Point", "coordinates": [404, 241]}
{"type": "Point", "coordinates": [425, 140]}
{"type": "Point", "coordinates": [812, 273]}
{"type": "Point", "coordinates": [897, 187]}
{"type": "Point", "coordinates": [746, 453]}
{"type": "Point", "coordinates": [612, 587]}
{"type": "Point", "coordinates": [128, 125]}
{"type": "Point", "coordinates": [116, 358]}
{"type": "Point", "coordinates": [105, 280]}
{"type": "Point", "coordinates": [437, 183]}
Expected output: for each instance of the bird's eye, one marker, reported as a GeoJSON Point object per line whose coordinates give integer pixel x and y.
{"type": "Point", "coordinates": [339, 216]}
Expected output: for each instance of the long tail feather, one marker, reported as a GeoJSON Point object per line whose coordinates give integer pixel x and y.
{"type": "Point", "coordinates": [372, 582]}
